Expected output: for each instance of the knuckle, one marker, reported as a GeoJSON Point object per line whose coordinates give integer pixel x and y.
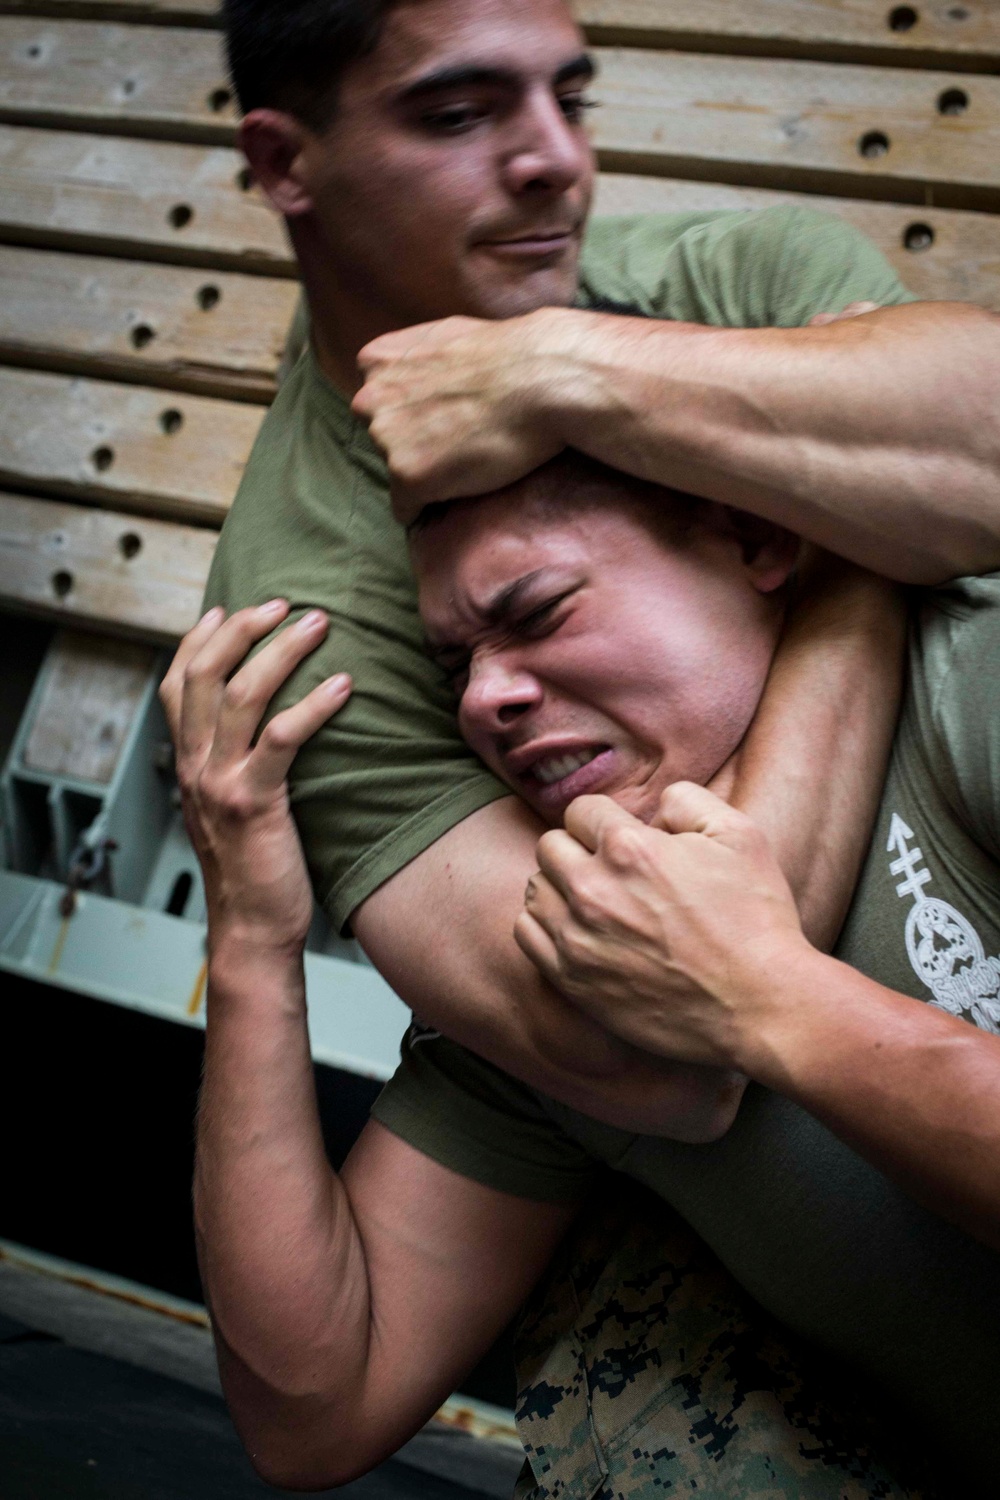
{"type": "Point", "coordinates": [238, 694]}
{"type": "Point", "coordinates": [624, 846]}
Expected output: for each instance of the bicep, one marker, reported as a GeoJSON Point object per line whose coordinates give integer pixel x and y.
{"type": "Point", "coordinates": [441, 931]}
{"type": "Point", "coordinates": [449, 1262]}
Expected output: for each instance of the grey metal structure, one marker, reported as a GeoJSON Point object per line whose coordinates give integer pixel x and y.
{"type": "Point", "coordinates": [100, 891]}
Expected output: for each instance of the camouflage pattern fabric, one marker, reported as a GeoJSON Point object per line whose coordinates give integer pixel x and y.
{"type": "Point", "coordinates": [644, 1371]}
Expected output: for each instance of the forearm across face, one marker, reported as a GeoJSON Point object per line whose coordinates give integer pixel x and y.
{"type": "Point", "coordinates": [877, 438]}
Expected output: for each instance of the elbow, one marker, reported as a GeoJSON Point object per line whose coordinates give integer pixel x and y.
{"type": "Point", "coordinates": [287, 1460]}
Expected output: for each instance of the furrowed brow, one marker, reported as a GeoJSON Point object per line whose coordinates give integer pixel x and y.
{"type": "Point", "coordinates": [505, 603]}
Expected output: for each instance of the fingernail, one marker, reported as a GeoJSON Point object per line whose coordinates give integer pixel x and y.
{"type": "Point", "coordinates": [211, 614]}
{"type": "Point", "coordinates": [312, 620]}
{"type": "Point", "coordinates": [274, 608]}
{"type": "Point", "coordinates": [338, 683]}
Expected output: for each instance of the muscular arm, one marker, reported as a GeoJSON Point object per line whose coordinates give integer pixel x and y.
{"type": "Point", "coordinates": [876, 437]}
{"type": "Point", "coordinates": [344, 1309]}
{"type": "Point", "coordinates": [686, 940]}
{"type": "Point", "coordinates": [818, 748]}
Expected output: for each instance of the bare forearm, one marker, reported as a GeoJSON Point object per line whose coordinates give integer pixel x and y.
{"type": "Point", "coordinates": [913, 1090]}
{"type": "Point", "coordinates": [478, 988]}
{"type": "Point", "coordinates": [810, 772]}
{"type": "Point", "coordinates": [877, 438]}
{"type": "Point", "coordinates": [280, 1257]}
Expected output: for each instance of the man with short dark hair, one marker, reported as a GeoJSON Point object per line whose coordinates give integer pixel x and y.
{"type": "Point", "coordinates": [429, 157]}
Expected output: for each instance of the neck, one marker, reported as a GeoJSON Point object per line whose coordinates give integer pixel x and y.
{"type": "Point", "coordinates": [342, 320]}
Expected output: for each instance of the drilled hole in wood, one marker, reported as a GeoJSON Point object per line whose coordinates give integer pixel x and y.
{"type": "Point", "coordinates": [102, 459]}
{"type": "Point", "coordinates": [903, 18]}
{"type": "Point", "coordinates": [142, 335]}
{"type": "Point", "coordinates": [875, 143]}
{"type": "Point", "coordinates": [957, 13]}
{"type": "Point", "coordinates": [181, 215]}
{"type": "Point", "coordinates": [35, 51]}
{"type": "Point", "coordinates": [209, 297]}
{"type": "Point", "coordinates": [953, 102]}
{"type": "Point", "coordinates": [172, 421]}
{"type": "Point", "coordinates": [918, 237]}
{"type": "Point", "coordinates": [129, 86]}
{"type": "Point", "coordinates": [62, 584]}
{"type": "Point", "coordinates": [218, 99]}
{"type": "Point", "coordinates": [130, 545]}
{"type": "Point", "coordinates": [244, 180]}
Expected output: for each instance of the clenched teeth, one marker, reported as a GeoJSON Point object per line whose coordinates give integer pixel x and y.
{"type": "Point", "coordinates": [553, 768]}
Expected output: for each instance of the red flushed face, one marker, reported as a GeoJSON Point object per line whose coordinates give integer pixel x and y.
{"type": "Point", "coordinates": [456, 174]}
{"type": "Point", "coordinates": [590, 654]}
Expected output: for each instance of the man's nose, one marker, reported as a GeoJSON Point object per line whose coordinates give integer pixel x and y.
{"type": "Point", "coordinates": [498, 693]}
{"type": "Point", "coordinates": [549, 152]}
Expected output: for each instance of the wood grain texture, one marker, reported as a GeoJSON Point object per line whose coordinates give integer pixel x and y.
{"type": "Point", "coordinates": [148, 12]}
{"type": "Point", "coordinates": [79, 565]}
{"type": "Point", "coordinates": [941, 32]}
{"type": "Point", "coordinates": [941, 29]}
{"type": "Point", "coordinates": [954, 255]}
{"type": "Point", "coordinates": [123, 446]}
{"type": "Point", "coordinates": [142, 199]}
{"type": "Point", "coordinates": [789, 125]}
{"type": "Point", "coordinates": [153, 81]}
{"type": "Point", "coordinates": [92, 693]}
{"type": "Point", "coordinates": [215, 333]}
{"type": "Point", "coordinates": [775, 123]}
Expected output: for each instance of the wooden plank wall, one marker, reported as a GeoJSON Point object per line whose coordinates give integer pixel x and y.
{"type": "Point", "coordinates": [146, 292]}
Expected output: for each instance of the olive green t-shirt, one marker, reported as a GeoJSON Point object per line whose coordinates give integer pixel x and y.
{"type": "Point", "coordinates": [821, 1239]}
{"type": "Point", "coordinates": [311, 523]}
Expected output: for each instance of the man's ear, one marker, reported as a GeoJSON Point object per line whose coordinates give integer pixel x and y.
{"type": "Point", "coordinates": [769, 551]}
{"type": "Point", "coordinates": [273, 142]}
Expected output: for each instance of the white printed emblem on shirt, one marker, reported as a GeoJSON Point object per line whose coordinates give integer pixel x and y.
{"type": "Point", "coordinates": [945, 950]}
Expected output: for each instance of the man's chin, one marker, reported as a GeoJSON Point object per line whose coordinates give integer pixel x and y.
{"type": "Point", "coordinates": [527, 293]}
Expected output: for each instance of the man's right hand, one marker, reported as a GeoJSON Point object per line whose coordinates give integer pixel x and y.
{"type": "Point", "coordinates": [233, 774]}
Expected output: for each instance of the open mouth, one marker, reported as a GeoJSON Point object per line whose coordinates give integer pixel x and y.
{"type": "Point", "coordinates": [553, 768]}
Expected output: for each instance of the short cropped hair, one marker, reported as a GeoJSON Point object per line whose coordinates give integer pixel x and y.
{"type": "Point", "coordinates": [292, 54]}
{"type": "Point", "coordinates": [572, 483]}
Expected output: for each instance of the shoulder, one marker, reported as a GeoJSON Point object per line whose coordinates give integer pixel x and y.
{"type": "Point", "coordinates": [774, 266]}
{"type": "Point", "coordinates": [296, 492]}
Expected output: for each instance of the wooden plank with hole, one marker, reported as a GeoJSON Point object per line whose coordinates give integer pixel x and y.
{"type": "Point", "coordinates": [212, 333]}
{"type": "Point", "coordinates": [147, 12]}
{"type": "Point", "coordinates": [953, 32]}
{"type": "Point", "coordinates": [92, 692]}
{"type": "Point", "coordinates": [843, 129]}
{"type": "Point", "coordinates": [111, 572]}
{"type": "Point", "coordinates": [893, 133]}
{"type": "Point", "coordinates": [929, 33]}
{"type": "Point", "coordinates": [153, 81]}
{"type": "Point", "coordinates": [148, 199]}
{"type": "Point", "coordinates": [940, 254]}
{"type": "Point", "coordinates": [124, 446]}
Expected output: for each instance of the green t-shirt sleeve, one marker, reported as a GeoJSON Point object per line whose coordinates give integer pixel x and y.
{"type": "Point", "coordinates": [479, 1122]}
{"type": "Point", "coordinates": [390, 773]}
{"type": "Point", "coordinates": [765, 268]}
{"type": "Point", "coordinates": [965, 707]}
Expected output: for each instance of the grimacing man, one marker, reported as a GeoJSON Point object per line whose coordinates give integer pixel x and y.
{"type": "Point", "coordinates": [609, 638]}
{"type": "Point", "coordinates": [430, 160]}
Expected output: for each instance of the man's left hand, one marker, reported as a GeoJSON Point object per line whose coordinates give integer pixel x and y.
{"type": "Point", "coordinates": [668, 935]}
{"type": "Point", "coordinates": [457, 406]}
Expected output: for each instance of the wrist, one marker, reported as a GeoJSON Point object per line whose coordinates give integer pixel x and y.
{"type": "Point", "coordinates": [786, 1002]}
{"type": "Point", "coordinates": [244, 964]}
